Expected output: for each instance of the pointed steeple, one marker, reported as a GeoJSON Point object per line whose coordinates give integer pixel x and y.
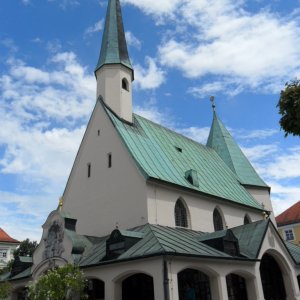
{"type": "Point", "coordinates": [223, 143]}
{"type": "Point", "coordinates": [114, 47]}
{"type": "Point", "coordinates": [114, 72]}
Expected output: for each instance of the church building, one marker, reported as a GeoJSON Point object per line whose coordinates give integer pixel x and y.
{"type": "Point", "coordinates": [150, 214]}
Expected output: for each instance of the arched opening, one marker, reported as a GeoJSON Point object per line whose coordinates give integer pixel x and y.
{"type": "Point", "coordinates": [125, 84]}
{"type": "Point", "coordinates": [218, 220]}
{"type": "Point", "coordinates": [193, 284]}
{"type": "Point", "coordinates": [95, 289]}
{"type": "Point", "coordinates": [20, 294]}
{"type": "Point", "coordinates": [137, 287]}
{"type": "Point", "coordinates": [236, 287]}
{"type": "Point", "coordinates": [247, 220]}
{"type": "Point", "coordinates": [181, 217]}
{"type": "Point", "coordinates": [272, 279]}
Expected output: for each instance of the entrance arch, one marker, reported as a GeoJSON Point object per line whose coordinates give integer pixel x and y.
{"type": "Point", "coordinates": [272, 279]}
{"type": "Point", "coordinates": [236, 287]}
{"type": "Point", "coordinates": [95, 289]}
{"type": "Point", "coordinates": [193, 283]}
{"type": "Point", "coordinates": [138, 286]}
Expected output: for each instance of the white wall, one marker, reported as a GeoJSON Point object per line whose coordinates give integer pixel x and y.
{"type": "Point", "coordinates": [111, 197]}
{"type": "Point", "coordinates": [262, 196]}
{"type": "Point", "coordinates": [162, 199]}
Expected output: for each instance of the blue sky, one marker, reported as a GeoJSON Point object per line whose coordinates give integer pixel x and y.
{"type": "Point", "coordinates": [183, 51]}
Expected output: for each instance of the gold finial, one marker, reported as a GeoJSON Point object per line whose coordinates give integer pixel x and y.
{"type": "Point", "coordinates": [60, 204]}
{"type": "Point", "coordinates": [212, 100]}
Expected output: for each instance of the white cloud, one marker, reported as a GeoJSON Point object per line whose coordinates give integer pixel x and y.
{"type": "Point", "coordinates": [98, 26]}
{"type": "Point", "coordinates": [245, 50]}
{"type": "Point", "coordinates": [26, 2]}
{"type": "Point", "coordinates": [155, 7]}
{"type": "Point", "coordinates": [65, 3]}
{"type": "Point", "coordinates": [258, 152]}
{"type": "Point", "coordinates": [151, 77]}
{"type": "Point", "coordinates": [255, 134]}
{"type": "Point", "coordinates": [43, 116]}
{"type": "Point", "coordinates": [195, 133]}
{"type": "Point", "coordinates": [133, 40]}
{"type": "Point", "coordinates": [286, 165]}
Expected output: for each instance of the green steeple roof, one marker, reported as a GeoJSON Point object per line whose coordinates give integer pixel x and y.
{"type": "Point", "coordinates": [222, 142]}
{"type": "Point", "coordinates": [114, 47]}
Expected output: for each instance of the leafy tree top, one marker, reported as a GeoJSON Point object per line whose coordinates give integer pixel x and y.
{"type": "Point", "coordinates": [289, 108]}
{"type": "Point", "coordinates": [67, 282]}
{"type": "Point", "coordinates": [26, 248]}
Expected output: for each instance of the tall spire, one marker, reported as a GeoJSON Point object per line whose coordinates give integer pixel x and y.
{"type": "Point", "coordinates": [114, 47]}
{"type": "Point", "coordinates": [223, 143]}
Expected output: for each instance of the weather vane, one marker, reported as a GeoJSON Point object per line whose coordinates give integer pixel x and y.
{"type": "Point", "coordinates": [212, 100]}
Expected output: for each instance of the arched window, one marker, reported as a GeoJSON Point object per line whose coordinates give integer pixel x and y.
{"type": "Point", "coordinates": [218, 221]}
{"type": "Point", "coordinates": [247, 220]}
{"type": "Point", "coordinates": [125, 84]}
{"type": "Point", "coordinates": [180, 214]}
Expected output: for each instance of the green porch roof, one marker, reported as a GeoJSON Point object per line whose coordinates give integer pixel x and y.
{"type": "Point", "coordinates": [114, 47]}
{"type": "Point", "coordinates": [222, 142]}
{"type": "Point", "coordinates": [165, 155]}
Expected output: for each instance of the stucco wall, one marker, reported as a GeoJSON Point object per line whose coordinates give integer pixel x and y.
{"type": "Point", "coordinates": [111, 197]}
{"type": "Point", "coordinates": [161, 204]}
{"type": "Point", "coordinates": [109, 86]}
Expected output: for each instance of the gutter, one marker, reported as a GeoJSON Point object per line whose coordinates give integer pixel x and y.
{"type": "Point", "coordinates": [166, 279]}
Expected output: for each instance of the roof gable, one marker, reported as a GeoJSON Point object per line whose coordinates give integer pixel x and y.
{"type": "Point", "coordinates": [222, 142]}
{"type": "Point", "coordinates": [5, 238]}
{"type": "Point", "coordinates": [165, 155]}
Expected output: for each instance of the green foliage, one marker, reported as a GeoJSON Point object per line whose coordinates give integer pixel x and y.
{"type": "Point", "coordinates": [26, 248]}
{"type": "Point", "coordinates": [289, 108]}
{"type": "Point", "coordinates": [5, 289]}
{"type": "Point", "coordinates": [59, 284]}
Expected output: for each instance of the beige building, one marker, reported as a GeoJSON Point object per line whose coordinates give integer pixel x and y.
{"type": "Point", "coordinates": [150, 214]}
{"type": "Point", "coordinates": [288, 224]}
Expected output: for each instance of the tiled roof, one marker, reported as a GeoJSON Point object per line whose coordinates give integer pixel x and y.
{"type": "Point", "coordinates": [114, 47]}
{"type": "Point", "coordinates": [157, 240]}
{"type": "Point", "coordinates": [289, 216]}
{"type": "Point", "coordinates": [163, 240]}
{"type": "Point", "coordinates": [5, 238]}
{"type": "Point", "coordinates": [222, 142]}
{"type": "Point", "coordinates": [162, 154]}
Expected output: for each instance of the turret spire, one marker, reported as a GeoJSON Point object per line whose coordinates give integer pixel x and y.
{"type": "Point", "coordinates": [223, 143]}
{"type": "Point", "coordinates": [114, 47]}
{"type": "Point", "coordinates": [114, 72]}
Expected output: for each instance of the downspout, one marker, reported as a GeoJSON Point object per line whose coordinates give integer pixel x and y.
{"type": "Point", "coordinates": [166, 279]}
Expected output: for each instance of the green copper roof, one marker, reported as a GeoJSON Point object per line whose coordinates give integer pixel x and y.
{"type": "Point", "coordinates": [165, 155]}
{"type": "Point", "coordinates": [222, 142]}
{"type": "Point", "coordinates": [114, 47]}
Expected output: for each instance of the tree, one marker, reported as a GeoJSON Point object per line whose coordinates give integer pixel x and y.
{"type": "Point", "coordinates": [5, 289]}
{"type": "Point", "coordinates": [67, 282]}
{"type": "Point", "coordinates": [289, 108]}
{"type": "Point", "coordinates": [26, 248]}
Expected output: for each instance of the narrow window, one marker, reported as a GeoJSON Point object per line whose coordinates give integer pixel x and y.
{"type": "Point", "coordinates": [218, 222]}
{"type": "Point", "coordinates": [109, 160]}
{"type": "Point", "coordinates": [247, 220]}
{"type": "Point", "coordinates": [180, 214]}
{"type": "Point", "coordinates": [289, 235]}
{"type": "Point", "coordinates": [98, 132]}
{"type": "Point", "coordinates": [89, 170]}
{"type": "Point", "coordinates": [125, 84]}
